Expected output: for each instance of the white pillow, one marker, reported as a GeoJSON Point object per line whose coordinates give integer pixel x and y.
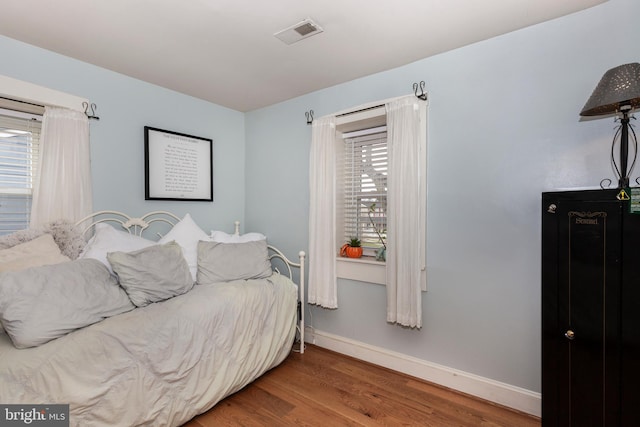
{"type": "Point", "coordinates": [42, 250]}
{"type": "Point", "coordinates": [187, 234]}
{"type": "Point", "coordinates": [222, 237]}
{"type": "Point", "coordinates": [107, 239]}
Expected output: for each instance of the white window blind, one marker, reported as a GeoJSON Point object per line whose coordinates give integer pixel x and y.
{"type": "Point", "coordinates": [19, 153]}
{"type": "Point", "coordinates": [365, 187]}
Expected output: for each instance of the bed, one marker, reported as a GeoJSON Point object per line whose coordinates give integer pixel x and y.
{"type": "Point", "coordinates": [121, 352]}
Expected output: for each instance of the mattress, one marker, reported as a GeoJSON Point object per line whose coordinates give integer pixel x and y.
{"type": "Point", "coordinates": [162, 364]}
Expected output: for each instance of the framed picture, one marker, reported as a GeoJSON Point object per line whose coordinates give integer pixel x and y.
{"type": "Point", "coordinates": [177, 166]}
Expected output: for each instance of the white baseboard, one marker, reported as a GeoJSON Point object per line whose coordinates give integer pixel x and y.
{"type": "Point", "coordinates": [504, 394]}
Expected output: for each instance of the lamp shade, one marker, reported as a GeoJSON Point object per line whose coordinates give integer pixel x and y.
{"type": "Point", "coordinates": [620, 86]}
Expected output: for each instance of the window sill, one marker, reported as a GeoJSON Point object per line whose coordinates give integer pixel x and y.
{"type": "Point", "coordinates": [365, 269]}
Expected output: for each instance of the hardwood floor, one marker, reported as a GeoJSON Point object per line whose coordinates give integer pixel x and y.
{"type": "Point", "coordinates": [323, 388]}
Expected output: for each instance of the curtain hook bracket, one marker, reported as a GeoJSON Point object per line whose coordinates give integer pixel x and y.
{"type": "Point", "coordinates": [422, 95]}
{"type": "Point", "coordinates": [92, 115]}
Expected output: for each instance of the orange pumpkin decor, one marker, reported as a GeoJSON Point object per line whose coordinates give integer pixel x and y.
{"type": "Point", "coordinates": [354, 252]}
{"type": "Point", "coordinates": [352, 249]}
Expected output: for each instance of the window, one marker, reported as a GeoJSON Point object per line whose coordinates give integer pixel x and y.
{"type": "Point", "coordinates": [364, 202]}
{"type": "Point", "coordinates": [361, 193]}
{"type": "Point", "coordinates": [363, 199]}
{"type": "Point", "coordinates": [19, 149]}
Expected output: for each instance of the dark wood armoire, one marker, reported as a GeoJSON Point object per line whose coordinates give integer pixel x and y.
{"type": "Point", "coordinates": [591, 308]}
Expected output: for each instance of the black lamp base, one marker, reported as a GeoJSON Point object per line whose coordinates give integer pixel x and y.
{"type": "Point", "coordinates": [625, 169]}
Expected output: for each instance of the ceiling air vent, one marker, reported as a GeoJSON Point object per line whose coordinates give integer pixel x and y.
{"type": "Point", "coordinates": [299, 31]}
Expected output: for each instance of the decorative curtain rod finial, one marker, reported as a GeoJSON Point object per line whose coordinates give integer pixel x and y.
{"type": "Point", "coordinates": [309, 115]}
{"type": "Point", "coordinates": [422, 94]}
{"type": "Point", "coordinates": [91, 116]}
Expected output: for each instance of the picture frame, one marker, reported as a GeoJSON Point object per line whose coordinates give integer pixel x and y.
{"type": "Point", "coordinates": [177, 166]}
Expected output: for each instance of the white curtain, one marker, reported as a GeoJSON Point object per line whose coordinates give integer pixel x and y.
{"type": "Point", "coordinates": [62, 187]}
{"type": "Point", "coordinates": [322, 217]}
{"type": "Point", "coordinates": [406, 210]}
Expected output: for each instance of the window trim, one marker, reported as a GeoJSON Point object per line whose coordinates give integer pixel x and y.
{"type": "Point", "coordinates": [20, 90]}
{"type": "Point", "coordinates": [365, 269]}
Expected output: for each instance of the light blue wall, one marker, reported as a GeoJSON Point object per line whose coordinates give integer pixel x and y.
{"type": "Point", "coordinates": [503, 127]}
{"type": "Point", "coordinates": [125, 106]}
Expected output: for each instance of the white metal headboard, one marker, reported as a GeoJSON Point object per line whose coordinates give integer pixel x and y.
{"type": "Point", "coordinates": [133, 225]}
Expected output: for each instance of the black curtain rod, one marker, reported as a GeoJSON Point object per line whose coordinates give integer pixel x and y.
{"type": "Point", "coordinates": [22, 102]}
{"type": "Point", "coordinates": [416, 86]}
{"type": "Point", "coordinates": [359, 111]}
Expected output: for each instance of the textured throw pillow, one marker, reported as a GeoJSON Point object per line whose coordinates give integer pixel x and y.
{"type": "Point", "coordinates": [152, 274]}
{"type": "Point", "coordinates": [39, 251]}
{"type": "Point", "coordinates": [68, 237]}
{"type": "Point", "coordinates": [222, 237]}
{"type": "Point", "coordinates": [107, 239]}
{"type": "Point", "coordinates": [224, 262]}
{"type": "Point", "coordinates": [66, 234]}
{"type": "Point", "coordinates": [43, 303]}
{"type": "Point", "coordinates": [187, 234]}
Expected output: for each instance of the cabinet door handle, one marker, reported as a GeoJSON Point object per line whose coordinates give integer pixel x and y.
{"type": "Point", "coordinates": [570, 334]}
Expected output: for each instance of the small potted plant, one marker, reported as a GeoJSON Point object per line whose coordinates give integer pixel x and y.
{"type": "Point", "coordinates": [353, 249]}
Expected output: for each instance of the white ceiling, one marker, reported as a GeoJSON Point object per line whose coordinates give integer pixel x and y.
{"type": "Point", "coordinates": [224, 51]}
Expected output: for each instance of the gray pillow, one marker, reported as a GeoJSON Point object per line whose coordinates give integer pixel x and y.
{"type": "Point", "coordinates": [224, 262]}
{"type": "Point", "coordinates": [152, 274]}
{"type": "Point", "coordinates": [39, 304]}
